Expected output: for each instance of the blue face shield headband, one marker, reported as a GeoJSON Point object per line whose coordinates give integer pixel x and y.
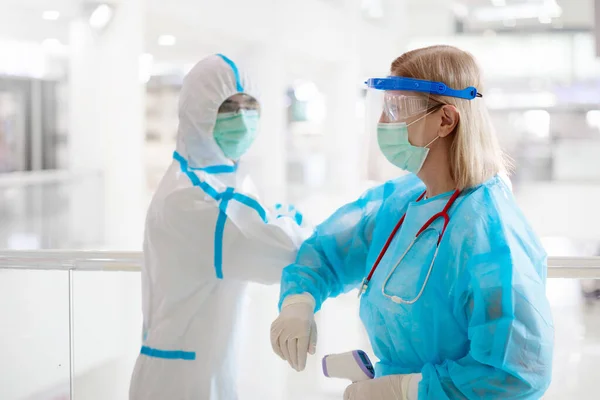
{"type": "Point", "coordinates": [420, 85]}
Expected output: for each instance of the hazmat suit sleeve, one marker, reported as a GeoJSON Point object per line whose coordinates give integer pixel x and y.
{"type": "Point", "coordinates": [501, 299]}
{"type": "Point", "coordinates": [334, 259]}
{"type": "Point", "coordinates": [257, 250]}
{"type": "Point", "coordinates": [255, 246]}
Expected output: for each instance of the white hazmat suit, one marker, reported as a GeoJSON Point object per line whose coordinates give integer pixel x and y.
{"type": "Point", "coordinates": [206, 235]}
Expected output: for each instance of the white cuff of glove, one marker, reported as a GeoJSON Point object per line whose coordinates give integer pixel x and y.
{"type": "Point", "coordinates": [400, 387]}
{"type": "Point", "coordinates": [305, 298]}
{"type": "Point", "coordinates": [413, 386]}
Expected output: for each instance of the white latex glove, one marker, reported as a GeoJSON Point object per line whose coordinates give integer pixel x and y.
{"type": "Point", "coordinates": [294, 332]}
{"type": "Point", "coordinates": [397, 387]}
{"type": "Point", "coordinates": [288, 210]}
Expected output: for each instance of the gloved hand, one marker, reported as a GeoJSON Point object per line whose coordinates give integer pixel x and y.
{"type": "Point", "coordinates": [397, 387]}
{"type": "Point", "coordinates": [294, 332]}
{"type": "Point", "coordinates": [290, 211]}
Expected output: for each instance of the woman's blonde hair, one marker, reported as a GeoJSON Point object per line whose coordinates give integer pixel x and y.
{"type": "Point", "coordinates": [475, 154]}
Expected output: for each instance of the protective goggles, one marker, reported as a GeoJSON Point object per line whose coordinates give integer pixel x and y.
{"type": "Point", "coordinates": [238, 102]}
{"type": "Point", "coordinates": [397, 107]}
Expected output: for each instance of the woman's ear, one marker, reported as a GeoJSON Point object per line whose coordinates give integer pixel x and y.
{"type": "Point", "coordinates": [450, 118]}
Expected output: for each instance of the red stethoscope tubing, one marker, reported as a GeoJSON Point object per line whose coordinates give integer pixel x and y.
{"type": "Point", "coordinates": [442, 214]}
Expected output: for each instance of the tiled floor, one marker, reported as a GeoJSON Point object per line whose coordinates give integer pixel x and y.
{"type": "Point", "coordinates": [107, 331]}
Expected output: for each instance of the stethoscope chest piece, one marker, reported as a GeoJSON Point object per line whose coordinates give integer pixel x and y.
{"type": "Point", "coordinates": [363, 287]}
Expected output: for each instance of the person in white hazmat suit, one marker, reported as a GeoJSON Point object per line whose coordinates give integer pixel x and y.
{"type": "Point", "coordinates": [206, 235]}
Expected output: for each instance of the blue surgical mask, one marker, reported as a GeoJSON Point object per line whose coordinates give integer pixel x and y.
{"type": "Point", "coordinates": [395, 146]}
{"type": "Point", "coordinates": [235, 132]}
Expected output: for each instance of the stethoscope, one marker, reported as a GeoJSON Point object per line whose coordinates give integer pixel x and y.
{"type": "Point", "coordinates": [442, 214]}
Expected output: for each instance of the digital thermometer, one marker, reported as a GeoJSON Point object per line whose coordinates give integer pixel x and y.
{"type": "Point", "coordinates": [353, 365]}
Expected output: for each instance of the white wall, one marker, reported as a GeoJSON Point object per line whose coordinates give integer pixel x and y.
{"type": "Point", "coordinates": [562, 209]}
{"type": "Point", "coordinates": [577, 160]}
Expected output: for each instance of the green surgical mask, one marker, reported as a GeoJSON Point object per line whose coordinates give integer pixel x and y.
{"type": "Point", "coordinates": [235, 132]}
{"type": "Point", "coordinates": [395, 146]}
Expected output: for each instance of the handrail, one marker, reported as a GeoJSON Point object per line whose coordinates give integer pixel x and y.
{"type": "Point", "coordinates": [71, 260]}
{"type": "Point", "coordinates": [27, 178]}
{"type": "Point", "coordinates": [572, 267]}
{"type": "Point", "coordinates": [131, 261]}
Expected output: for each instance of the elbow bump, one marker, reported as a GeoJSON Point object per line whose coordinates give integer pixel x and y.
{"type": "Point", "coordinates": [532, 383]}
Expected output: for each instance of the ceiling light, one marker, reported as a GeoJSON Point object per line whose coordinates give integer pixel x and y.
{"type": "Point", "coordinates": [518, 11]}
{"type": "Point", "coordinates": [592, 118]}
{"type": "Point", "coordinates": [167, 40]}
{"type": "Point", "coordinates": [499, 3]}
{"type": "Point", "coordinates": [510, 23]}
{"type": "Point", "coordinates": [101, 16]}
{"type": "Point", "coordinates": [545, 19]}
{"type": "Point", "coordinates": [50, 15]}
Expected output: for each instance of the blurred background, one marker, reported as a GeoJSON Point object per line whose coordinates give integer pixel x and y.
{"type": "Point", "coordinates": [88, 119]}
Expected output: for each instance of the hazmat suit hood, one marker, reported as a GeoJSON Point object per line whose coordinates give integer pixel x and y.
{"type": "Point", "coordinates": [208, 84]}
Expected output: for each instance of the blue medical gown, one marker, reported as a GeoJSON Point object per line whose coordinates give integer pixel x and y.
{"type": "Point", "coordinates": [482, 328]}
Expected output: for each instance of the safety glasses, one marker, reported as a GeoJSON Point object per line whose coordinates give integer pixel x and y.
{"type": "Point", "coordinates": [399, 107]}
{"type": "Point", "coordinates": [238, 102]}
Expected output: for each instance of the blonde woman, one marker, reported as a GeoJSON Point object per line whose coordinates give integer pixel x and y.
{"type": "Point", "coordinates": [453, 277]}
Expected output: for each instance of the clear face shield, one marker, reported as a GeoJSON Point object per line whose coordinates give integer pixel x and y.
{"type": "Point", "coordinates": [397, 110]}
